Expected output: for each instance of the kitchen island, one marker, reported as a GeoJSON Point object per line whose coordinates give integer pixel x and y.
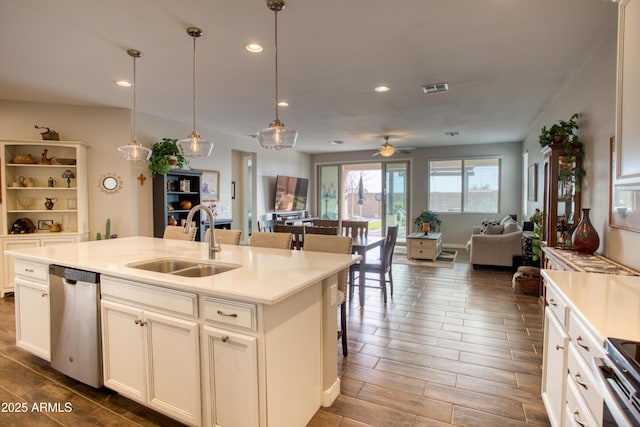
{"type": "Point", "coordinates": [255, 345]}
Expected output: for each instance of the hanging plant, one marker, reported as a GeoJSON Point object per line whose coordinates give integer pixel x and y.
{"type": "Point", "coordinates": [160, 155]}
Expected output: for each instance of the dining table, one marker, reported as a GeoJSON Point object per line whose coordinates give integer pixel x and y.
{"type": "Point", "coordinates": [360, 246]}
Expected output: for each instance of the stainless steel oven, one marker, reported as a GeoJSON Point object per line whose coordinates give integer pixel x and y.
{"type": "Point", "coordinates": [618, 374]}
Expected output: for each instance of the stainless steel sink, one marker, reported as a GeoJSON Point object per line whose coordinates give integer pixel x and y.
{"type": "Point", "coordinates": [164, 265]}
{"type": "Point", "coordinates": [203, 270]}
{"type": "Point", "coordinates": [182, 267]}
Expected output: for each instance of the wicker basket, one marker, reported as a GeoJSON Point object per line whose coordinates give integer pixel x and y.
{"type": "Point", "coordinates": [526, 285]}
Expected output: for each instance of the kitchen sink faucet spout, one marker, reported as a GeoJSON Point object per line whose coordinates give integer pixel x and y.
{"type": "Point", "coordinates": [213, 246]}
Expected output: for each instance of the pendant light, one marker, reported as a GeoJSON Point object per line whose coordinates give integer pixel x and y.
{"type": "Point", "coordinates": [193, 145]}
{"type": "Point", "coordinates": [277, 136]}
{"type": "Point", "coordinates": [134, 150]}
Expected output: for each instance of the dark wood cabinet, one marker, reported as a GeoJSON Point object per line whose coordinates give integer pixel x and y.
{"type": "Point", "coordinates": [561, 211]}
{"type": "Point", "coordinates": [173, 195]}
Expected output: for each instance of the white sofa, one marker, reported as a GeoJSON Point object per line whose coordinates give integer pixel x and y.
{"type": "Point", "coordinates": [494, 249]}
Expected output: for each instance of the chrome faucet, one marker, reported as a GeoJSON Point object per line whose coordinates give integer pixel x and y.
{"type": "Point", "coordinates": [213, 246]}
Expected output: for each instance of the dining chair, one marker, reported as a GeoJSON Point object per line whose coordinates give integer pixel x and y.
{"type": "Point", "coordinates": [339, 245]}
{"type": "Point", "coordinates": [297, 234]}
{"type": "Point", "coordinates": [314, 229]}
{"type": "Point", "coordinates": [381, 266]}
{"type": "Point", "coordinates": [266, 225]}
{"type": "Point", "coordinates": [326, 222]}
{"type": "Point", "coordinates": [270, 240]}
{"type": "Point", "coordinates": [176, 232]}
{"type": "Point", "coordinates": [228, 237]}
{"type": "Point", "coordinates": [355, 229]}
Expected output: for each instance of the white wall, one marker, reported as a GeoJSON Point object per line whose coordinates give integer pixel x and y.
{"type": "Point", "coordinates": [103, 129]}
{"type": "Point", "coordinates": [591, 91]}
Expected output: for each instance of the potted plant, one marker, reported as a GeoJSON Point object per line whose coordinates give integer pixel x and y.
{"type": "Point", "coordinates": [536, 218]}
{"type": "Point", "coordinates": [564, 132]}
{"type": "Point", "coordinates": [427, 216]}
{"type": "Point", "coordinates": [161, 152]}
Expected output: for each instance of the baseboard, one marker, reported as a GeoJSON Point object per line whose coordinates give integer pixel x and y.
{"type": "Point", "coordinates": [331, 394]}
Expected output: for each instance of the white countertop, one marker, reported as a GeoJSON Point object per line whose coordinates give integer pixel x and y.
{"type": "Point", "coordinates": [609, 302]}
{"type": "Point", "coordinates": [265, 276]}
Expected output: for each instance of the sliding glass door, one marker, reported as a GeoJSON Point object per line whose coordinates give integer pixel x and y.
{"type": "Point", "coordinates": [375, 192]}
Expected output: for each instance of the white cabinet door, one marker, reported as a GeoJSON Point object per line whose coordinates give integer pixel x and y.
{"type": "Point", "coordinates": [174, 373]}
{"type": "Point", "coordinates": [554, 369]}
{"type": "Point", "coordinates": [123, 350]}
{"type": "Point", "coordinates": [231, 378]}
{"type": "Point", "coordinates": [32, 317]}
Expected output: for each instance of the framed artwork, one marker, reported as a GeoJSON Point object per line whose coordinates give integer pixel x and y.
{"type": "Point", "coordinates": [44, 224]}
{"type": "Point", "coordinates": [210, 185]}
{"type": "Point", "coordinates": [532, 183]}
{"type": "Point", "coordinates": [624, 197]}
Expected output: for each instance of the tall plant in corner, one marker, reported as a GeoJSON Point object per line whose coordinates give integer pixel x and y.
{"type": "Point", "coordinates": [565, 132]}
{"type": "Point", "coordinates": [160, 154]}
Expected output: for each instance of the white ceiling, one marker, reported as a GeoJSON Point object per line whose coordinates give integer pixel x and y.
{"type": "Point", "coordinates": [504, 60]}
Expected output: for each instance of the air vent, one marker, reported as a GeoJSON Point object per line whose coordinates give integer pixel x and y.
{"type": "Point", "coordinates": [435, 88]}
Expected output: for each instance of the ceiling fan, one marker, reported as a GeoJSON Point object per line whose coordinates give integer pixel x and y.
{"type": "Point", "coordinates": [388, 150]}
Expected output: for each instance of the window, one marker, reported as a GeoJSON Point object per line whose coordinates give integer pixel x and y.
{"type": "Point", "coordinates": [464, 185]}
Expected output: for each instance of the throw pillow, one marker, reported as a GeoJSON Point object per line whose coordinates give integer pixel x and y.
{"type": "Point", "coordinates": [506, 219]}
{"type": "Point", "coordinates": [511, 226]}
{"type": "Point", "coordinates": [494, 229]}
{"type": "Point", "coordinates": [486, 223]}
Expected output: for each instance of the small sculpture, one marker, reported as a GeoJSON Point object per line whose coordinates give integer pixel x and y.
{"type": "Point", "coordinates": [48, 134]}
{"type": "Point", "coordinates": [46, 160]}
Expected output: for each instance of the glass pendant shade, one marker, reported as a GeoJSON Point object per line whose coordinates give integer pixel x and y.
{"type": "Point", "coordinates": [134, 150]}
{"type": "Point", "coordinates": [193, 145]}
{"type": "Point", "coordinates": [387, 150]}
{"type": "Point", "coordinates": [277, 136]}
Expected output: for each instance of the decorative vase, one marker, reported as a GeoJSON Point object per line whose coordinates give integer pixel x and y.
{"type": "Point", "coordinates": [585, 238]}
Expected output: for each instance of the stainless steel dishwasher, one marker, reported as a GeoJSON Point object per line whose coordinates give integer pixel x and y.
{"type": "Point", "coordinates": [75, 324]}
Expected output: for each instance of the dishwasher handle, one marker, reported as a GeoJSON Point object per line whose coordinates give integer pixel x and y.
{"type": "Point", "coordinates": [72, 275]}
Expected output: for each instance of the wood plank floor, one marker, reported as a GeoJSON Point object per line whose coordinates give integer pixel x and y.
{"type": "Point", "coordinates": [452, 347]}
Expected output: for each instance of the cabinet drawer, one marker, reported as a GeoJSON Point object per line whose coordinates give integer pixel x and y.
{"type": "Point", "coordinates": [32, 270]}
{"type": "Point", "coordinates": [233, 313]}
{"type": "Point", "coordinates": [422, 243]}
{"type": "Point", "coordinates": [557, 305]}
{"type": "Point", "coordinates": [586, 344]}
{"type": "Point", "coordinates": [580, 374]}
{"type": "Point", "coordinates": [160, 299]}
{"type": "Point", "coordinates": [576, 413]}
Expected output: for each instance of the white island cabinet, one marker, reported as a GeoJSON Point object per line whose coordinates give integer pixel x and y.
{"type": "Point", "coordinates": [253, 346]}
{"type": "Point", "coordinates": [582, 310]}
{"type": "Point", "coordinates": [32, 308]}
{"type": "Point", "coordinates": [150, 350]}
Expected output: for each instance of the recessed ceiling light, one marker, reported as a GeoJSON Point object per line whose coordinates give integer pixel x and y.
{"type": "Point", "coordinates": [435, 88]}
{"type": "Point", "coordinates": [254, 47]}
{"type": "Point", "coordinates": [454, 133]}
{"type": "Point", "coordinates": [336, 142]}
{"type": "Point", "coordinates": [283, 104]}
{"type": "Point", "coordinates": [382, 88]}
{"type": "Point", "coordinates": [123, 83]}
